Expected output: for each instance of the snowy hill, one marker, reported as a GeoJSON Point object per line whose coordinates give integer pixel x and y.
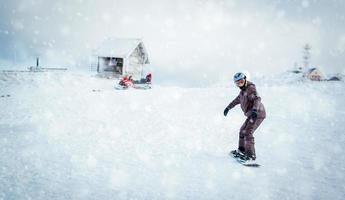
{"type": "Point", "coordinates": [72, 136]}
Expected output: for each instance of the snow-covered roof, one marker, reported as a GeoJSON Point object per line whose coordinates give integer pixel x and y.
{"type": "Point", "coordinates": [311, 69]}
{"type": "Point", "coordinates": [117, 47]}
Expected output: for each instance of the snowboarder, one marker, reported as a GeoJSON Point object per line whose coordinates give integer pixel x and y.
{"type": "Point", "coordinates": [255, 112]}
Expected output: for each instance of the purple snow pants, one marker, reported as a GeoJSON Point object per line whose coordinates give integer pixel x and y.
{"type": "Point", "coordinates": [246, 141]}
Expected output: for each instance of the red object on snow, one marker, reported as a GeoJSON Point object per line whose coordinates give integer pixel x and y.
{"type": "Point", "coordinates": [126, 82]}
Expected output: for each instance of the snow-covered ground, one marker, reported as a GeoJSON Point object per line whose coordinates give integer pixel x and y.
{"type": "Point", "coordinates": [72, 136]}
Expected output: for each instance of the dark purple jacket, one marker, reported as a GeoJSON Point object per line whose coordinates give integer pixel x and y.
{"type": "Point", "coordinates": [249, 100]}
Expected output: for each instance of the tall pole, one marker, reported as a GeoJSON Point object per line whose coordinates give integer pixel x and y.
{"type": "Point", "coordinates": [306, 56]}
{"type": "Point", "coordinates": [37, 62]}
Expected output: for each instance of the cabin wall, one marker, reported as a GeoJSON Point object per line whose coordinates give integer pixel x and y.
{"type": "Point", "coordinates": [136, 63]}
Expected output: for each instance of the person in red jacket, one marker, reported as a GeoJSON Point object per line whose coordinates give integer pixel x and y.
{"type": "Point", "coordinates": [255, 112]}
{"type": "Point", "coordinates": [126, 82]}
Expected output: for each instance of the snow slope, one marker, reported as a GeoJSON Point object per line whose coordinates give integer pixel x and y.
{"type": "Point", "coordinates": [71, 136]}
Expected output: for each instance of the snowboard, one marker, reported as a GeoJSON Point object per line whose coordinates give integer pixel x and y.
{"type": "Point", "coordinates": [251, 164]}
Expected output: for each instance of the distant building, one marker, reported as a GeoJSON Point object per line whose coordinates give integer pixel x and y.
{"type": "Point", "coordinates": [297, 71]}
{"type": "Point", "coordinates": [38, 68]}
{"type": "Point", "coordinates": [314, 74]}
{"type": "Point", "coordinates": [117, 57]}
{"type": "Point", "coordinates": [336, 77]}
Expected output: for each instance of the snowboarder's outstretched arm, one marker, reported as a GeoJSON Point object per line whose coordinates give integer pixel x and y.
{"type": "Point", "coordinates": [232, 104]}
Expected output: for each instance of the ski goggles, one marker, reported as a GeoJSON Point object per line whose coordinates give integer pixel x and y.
{"type": "Point", "coordinates": [240, 82]}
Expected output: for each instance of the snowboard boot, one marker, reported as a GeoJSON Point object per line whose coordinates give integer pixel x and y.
{"type": "Point", "coordinates": [236, 153]}
{"type": "Point", "coordinates": [247, 157]}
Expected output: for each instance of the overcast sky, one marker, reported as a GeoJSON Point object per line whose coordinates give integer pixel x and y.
{"type": "Point", "coordinates": [194, 39]}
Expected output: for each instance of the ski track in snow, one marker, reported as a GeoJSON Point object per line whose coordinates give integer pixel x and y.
{"type": "Point", "coordinates": [59, 139]}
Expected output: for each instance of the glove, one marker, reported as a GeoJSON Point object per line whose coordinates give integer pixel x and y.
{"type": "Point", "coordinates": [254, 114]}
{"type": "Point", "coordinates": [226, 111]}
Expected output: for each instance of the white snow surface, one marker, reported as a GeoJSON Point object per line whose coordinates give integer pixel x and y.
{"type": "Point", "coordinates": [72, 136]}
